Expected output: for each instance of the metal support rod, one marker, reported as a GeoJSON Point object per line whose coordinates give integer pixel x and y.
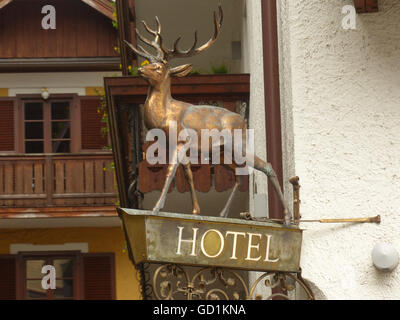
{"type": "Point", "coordinates": [376, 219]}
{"type": "Point", "coordinates": [297, 216]}
{"type": "Point", "coordinates": [296, 198]}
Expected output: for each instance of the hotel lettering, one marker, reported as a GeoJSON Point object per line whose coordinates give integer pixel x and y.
{"type": "Point", "coordinates": [218, 244]}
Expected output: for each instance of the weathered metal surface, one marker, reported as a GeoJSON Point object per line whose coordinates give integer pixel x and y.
{"type": "Point", "coordinates": [296, 199]}
{"type": "Point", "coordinates": [219, 242]}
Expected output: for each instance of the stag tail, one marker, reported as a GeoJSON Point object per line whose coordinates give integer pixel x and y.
{"type": "Point", "coordinates": [163, 54]}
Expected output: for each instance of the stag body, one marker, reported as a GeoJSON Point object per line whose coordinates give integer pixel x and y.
{"type": "Point", "coordinates": [161, 110]}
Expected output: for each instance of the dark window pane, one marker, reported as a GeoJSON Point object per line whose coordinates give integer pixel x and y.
{"type": "Point", "coordinates": [61, 146]}
{"type": "Point", "coordinates": [59, 110]}
{"type": "Point", "coordinates": [34, 269]}
{"type": "Point", "coordinates": [33, 130]}
{"type": "Point", "coordinates": [64, 268]}
{"type": "Point", "coordinates": [34, 147]}
{"type": "Point", "coordinates": [33, 111]}
{"type": "Point", "coordinates": [64, 289]}
{"type": "Point", "coordinates": [34, 289]}
{"type": "Point", "coordinates": [60, 130]}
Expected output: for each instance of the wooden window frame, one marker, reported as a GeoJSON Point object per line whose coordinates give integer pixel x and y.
{"type": "Point", "coordinates": [75, 118]}
{"type": "Point", "coordinates": [75, 128]}
{"type": "Point", "coordinates": [79, 279]}
{"type": "Point", "coordinates": [21, 271]}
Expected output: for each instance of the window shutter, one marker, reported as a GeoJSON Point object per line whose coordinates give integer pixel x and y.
{"type": "Point", "coordinates": [6, 125]}
{"type": "Point", "coordinates": [8, 278]}
{"type": "Point", "coordinates": [98, 276]}
{"type": "Point", "coordinates": [91, 125]}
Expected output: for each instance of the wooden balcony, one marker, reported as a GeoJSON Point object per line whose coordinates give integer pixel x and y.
{"type": "Point", "coordinates": [57, 180]}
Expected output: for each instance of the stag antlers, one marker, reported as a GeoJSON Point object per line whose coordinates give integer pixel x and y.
{"type": "Point", "coordinates": [164, 54]}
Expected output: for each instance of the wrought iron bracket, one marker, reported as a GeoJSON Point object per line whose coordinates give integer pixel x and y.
{"type": "Point", "coordinates": [174, 282]}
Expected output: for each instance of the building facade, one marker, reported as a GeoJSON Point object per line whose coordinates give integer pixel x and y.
{"type": "Point", "coordinates": [339, 98]}
{"type": "Point", "coordinates": [324, 88]}
{"type": "Point", "coordinates": [57, 189]}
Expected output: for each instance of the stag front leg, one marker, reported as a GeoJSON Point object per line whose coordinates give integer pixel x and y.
{"type": "Point", "coordinates": [189, 177]}
{"type": "Point", "coordinates": [168, 180]}
{"type": "Point", "coordinates": [170, 176]}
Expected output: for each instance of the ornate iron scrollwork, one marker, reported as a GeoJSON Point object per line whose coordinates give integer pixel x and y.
{"type": "Point", "coordinates": [173, 282]}
{"type": "Point", "coordinates": [284, 284]}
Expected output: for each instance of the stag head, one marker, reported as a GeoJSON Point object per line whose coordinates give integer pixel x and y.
{"type": "Point", "coordinates": [158, 69]}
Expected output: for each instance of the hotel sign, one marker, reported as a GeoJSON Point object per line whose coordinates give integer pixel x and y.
{"type": "Point", "coordinates": [209, 241]}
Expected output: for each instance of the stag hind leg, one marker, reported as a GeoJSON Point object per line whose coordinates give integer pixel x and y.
{"type": "Point", "coordinates": [225, 211]}
{"type": "Point", "coordinates": [189, 178]}
{"type": "Point", "coordinates": [238, 180]}
{"type": "Point", "coordinates": [267, 169]}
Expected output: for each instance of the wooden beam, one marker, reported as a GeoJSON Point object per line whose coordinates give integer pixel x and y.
{"type": "Point", "coordinates": [272, 101]}
{"type": "Point", "coordinates": [59, 64]}
{"type": "Point", "coordinates": [366, 6]}
{"type": "Point", "coordinates": [126, 32]}
{"type": "Point", "coordinates": [123, 34]}
{"type": "Point", "coordinates": [49, 179]}
{"type": "Point", "coordinates": [85, 195]}
{"type": "Point", "coordinates": [230, 85]}
{"type": "Point", "coordinates": [103, 6]}
{"type": "Point", "coordinates": [58, 212]}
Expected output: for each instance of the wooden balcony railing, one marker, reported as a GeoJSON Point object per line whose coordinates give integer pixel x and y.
{"type": "Point", "coordinates": [47, 180]}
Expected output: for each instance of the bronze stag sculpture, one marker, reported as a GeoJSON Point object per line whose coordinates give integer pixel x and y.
{"type": "Point", "coordinates": [161, 110]}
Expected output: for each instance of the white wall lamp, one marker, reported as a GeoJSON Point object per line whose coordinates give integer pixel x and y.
{"type": "Point", "coordinates": [385, 257]}
{"type": "Point", "coordinates": [45, 93]}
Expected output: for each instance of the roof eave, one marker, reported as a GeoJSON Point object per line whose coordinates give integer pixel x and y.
{"type": "Point", "coordinates": [102, 6]}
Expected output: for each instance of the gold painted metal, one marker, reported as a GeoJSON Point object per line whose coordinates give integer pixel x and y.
{"type": "Point", "coordinates": [161, 110]}
{"type": "Point", "coordinates": [168, 238]}
{"type": "Point", "coordinates": [376, 219]}
{"type": "Point", "coordinates": [296, 198]}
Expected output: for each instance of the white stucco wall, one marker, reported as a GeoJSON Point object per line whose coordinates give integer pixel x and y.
{"type": "Point", "coordinates": [341, 108]}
